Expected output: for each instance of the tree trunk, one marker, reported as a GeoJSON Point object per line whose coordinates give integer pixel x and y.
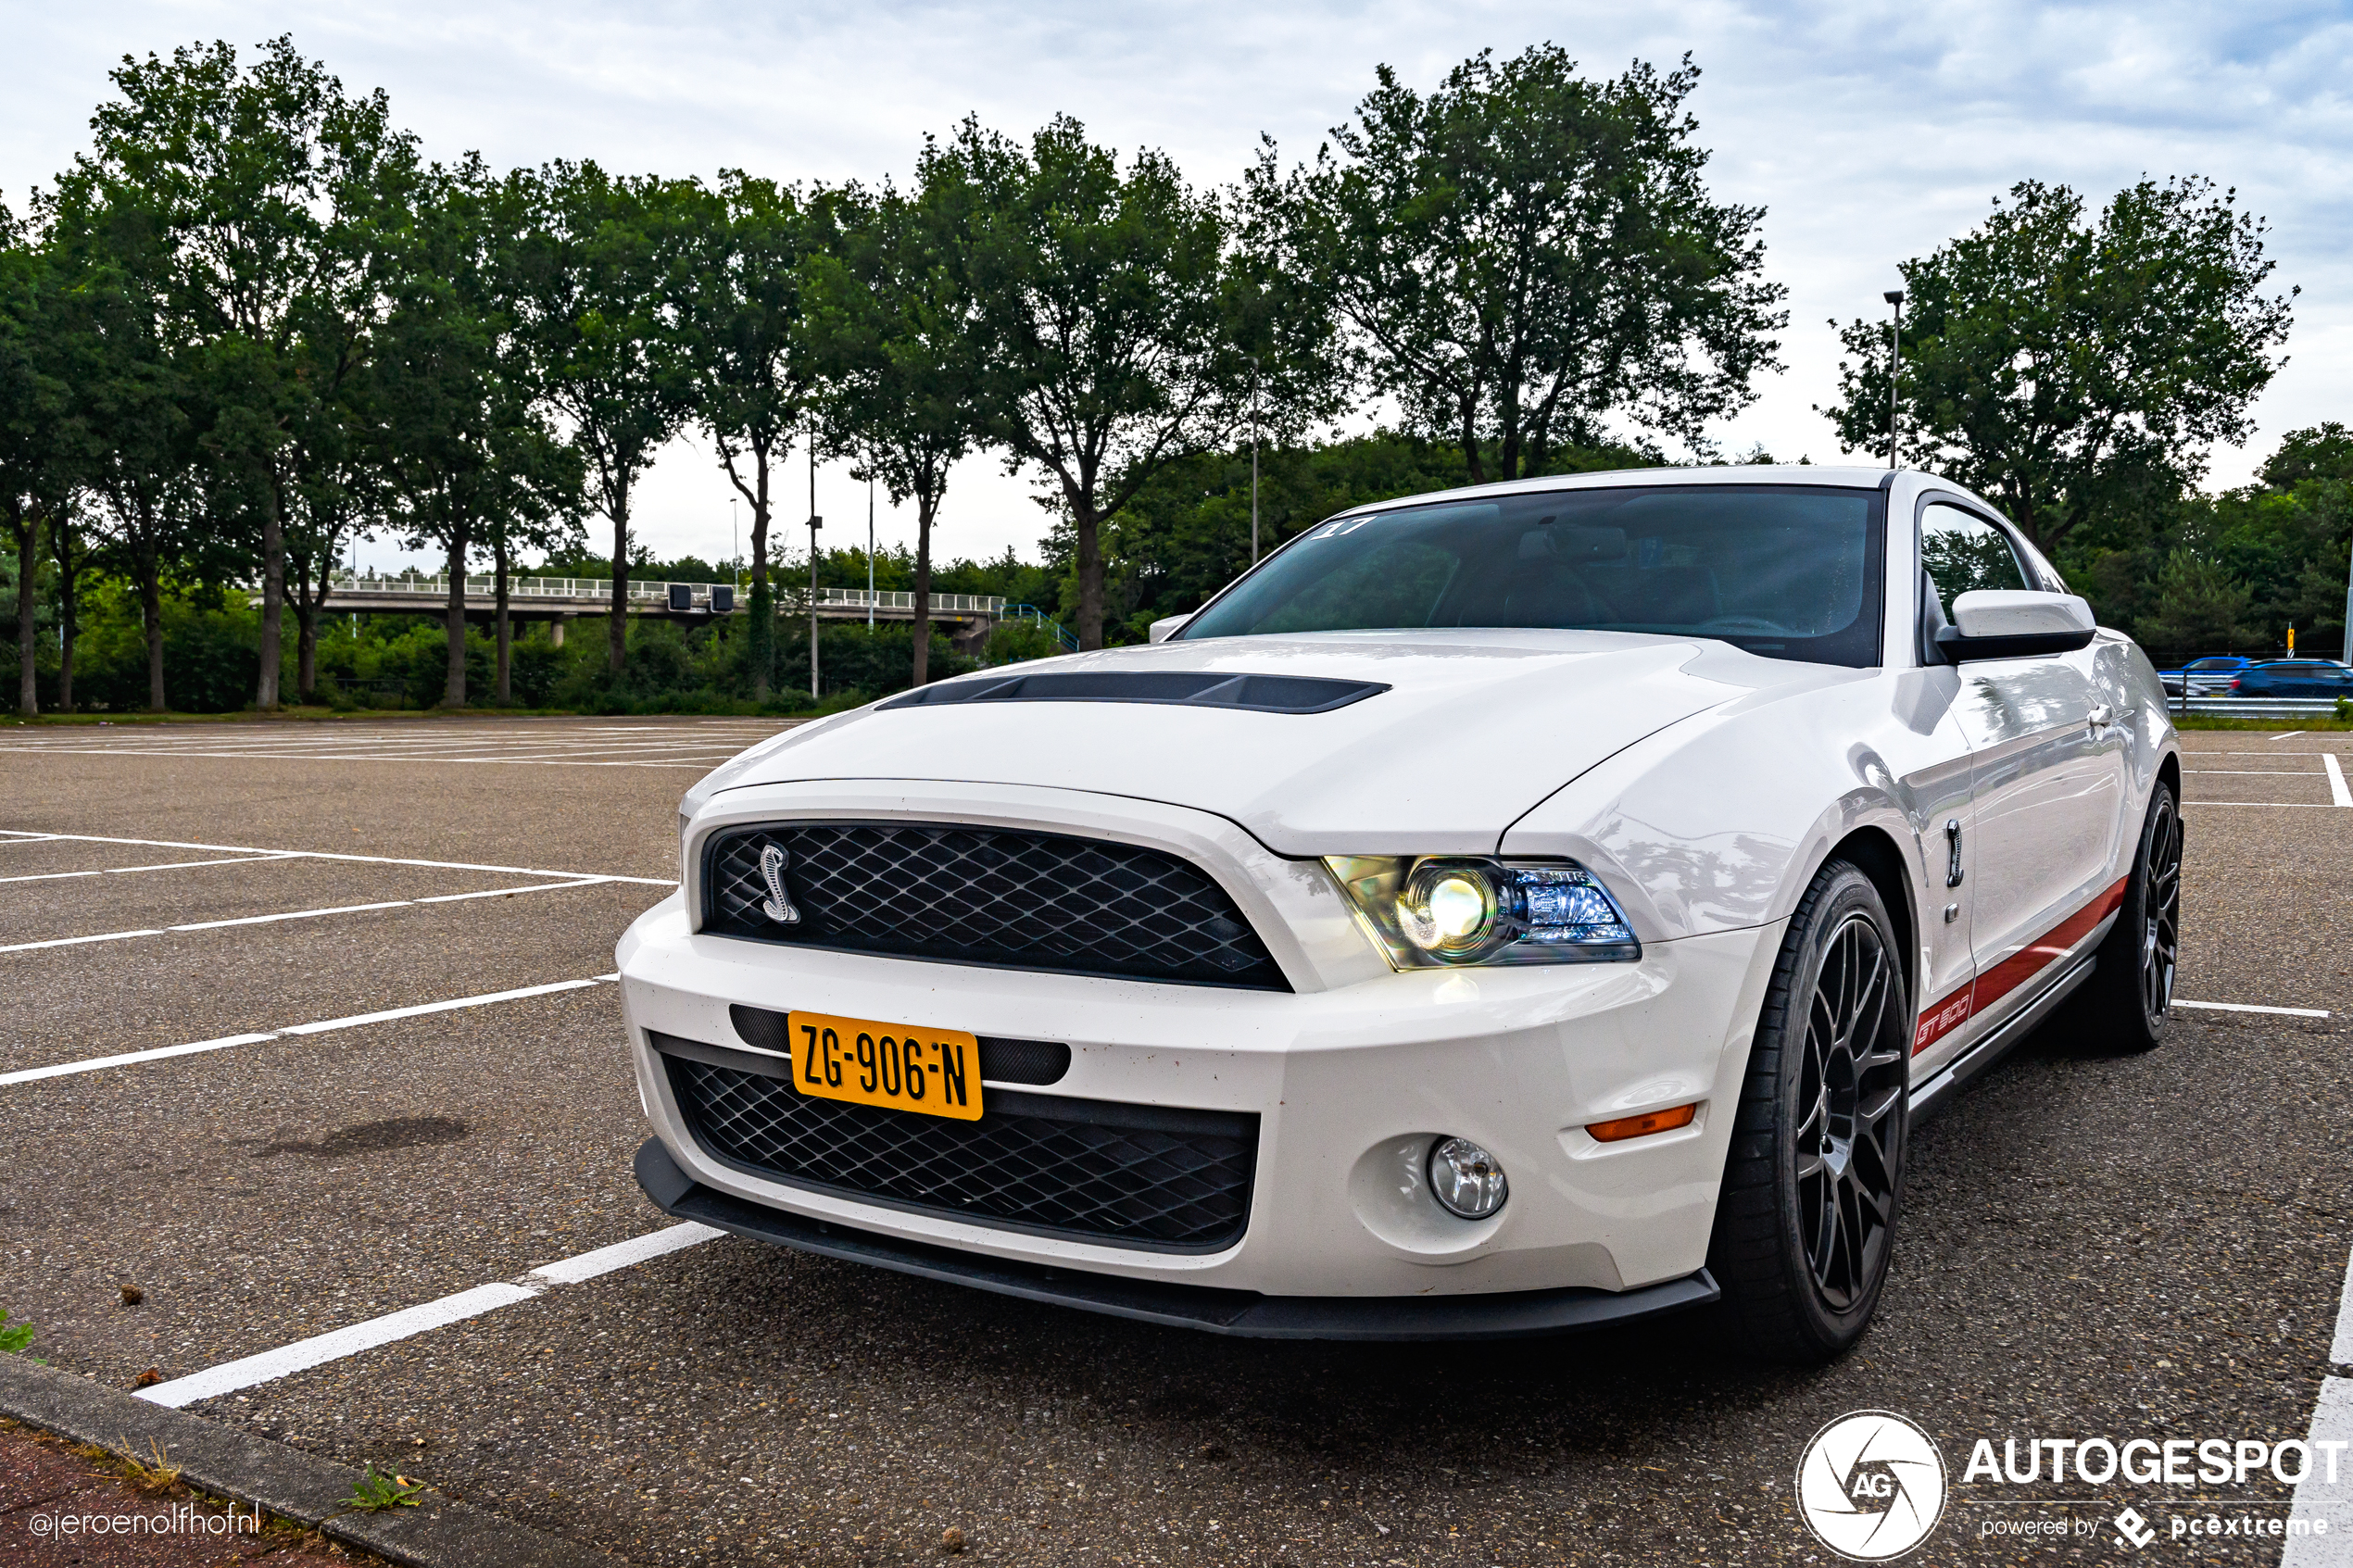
{"type": "Point", "coordinates": [151, 614]}
{"type": "Point", "coordinates": [306, 628]}
{"type": "Point", "coordinates": [763, 599]}
{"type": "Point", "coordinates": [925, 507]}
{"type": "Point", "coordinates": [504, 630]}
{"type": "Point", "coordinates": [1091, 570]}
{"type": "Point", "coordinates": [617, 644]}
{"type": "Point", "coordinates": [274, 595]}
{"type": "Point", "coordinates": [28, 535]}
{"type": "Point", "coordinates": [1470, 441]}
{"type": "Point", "coordinates": [453, 691]}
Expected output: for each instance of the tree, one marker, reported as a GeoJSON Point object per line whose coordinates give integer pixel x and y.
{"type": "Point", "coordinates": [1105, 317]}
{"type": "Point", "coordinates": [469, 460]}
{"type": "Point", "coordinates": [592, 274]}
{"type": "Point", "coordinates": [131, 414]}
{"type": "Point", "coordinates": [29, 450]}
{"type": "Point", "coordinates": [261, 183]}
{"type": "Point", "coordinates": [740, 317]}
{"type": "Point", "coordinates": [1525, 255]}
{"type": "Point", "coordinates": [2074, 369]}
{"type": "Point", "coordinates": [890, 302]}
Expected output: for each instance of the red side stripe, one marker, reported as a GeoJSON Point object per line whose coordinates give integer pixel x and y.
{"type": "Point", "coordinates": [1949, 1014]}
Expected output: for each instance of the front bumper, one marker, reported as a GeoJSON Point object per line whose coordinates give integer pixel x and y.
{"type": "Point", "coordinates": [1499, 1315]}
{"type": "Point", "coordinates": [1352, 1076]}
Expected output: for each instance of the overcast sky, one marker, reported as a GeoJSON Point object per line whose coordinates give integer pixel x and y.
{"type": "Point", "coordinates": [1870, 132]}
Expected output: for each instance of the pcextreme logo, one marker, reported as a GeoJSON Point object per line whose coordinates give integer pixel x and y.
{"type": "Point", "coordinates": [1870, 1486]}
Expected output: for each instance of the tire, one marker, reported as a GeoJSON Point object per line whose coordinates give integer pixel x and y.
{"type": "Point", "coordinates": [1814, 1181]}
{"type": "Point", "coordinates": [2124, 1004]}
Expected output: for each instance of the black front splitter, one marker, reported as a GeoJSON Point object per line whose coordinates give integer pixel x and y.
{"type": "Point", "coordinates": [1500, 1315]}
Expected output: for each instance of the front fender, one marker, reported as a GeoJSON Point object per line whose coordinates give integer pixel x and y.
{"type": "Point", "coordinates": [1720, 822]}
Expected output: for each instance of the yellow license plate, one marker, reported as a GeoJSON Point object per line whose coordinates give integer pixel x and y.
{"type": "Point", "coordinates": [931, 1072]}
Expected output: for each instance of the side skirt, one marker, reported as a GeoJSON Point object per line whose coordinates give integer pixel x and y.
{"type": "Point", "coordinates": [1933, 1097]}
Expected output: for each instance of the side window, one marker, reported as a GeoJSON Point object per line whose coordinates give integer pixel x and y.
{"type": "Point", "coordinates": [1963, 553]}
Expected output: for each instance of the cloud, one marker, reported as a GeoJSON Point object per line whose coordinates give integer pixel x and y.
{"type": "Point", "coordinates": [1870, 132]}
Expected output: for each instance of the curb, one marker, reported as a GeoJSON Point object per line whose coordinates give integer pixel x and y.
{"type": "Point", "coordinates": [281, 1479]}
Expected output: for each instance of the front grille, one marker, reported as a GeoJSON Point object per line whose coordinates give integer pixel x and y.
{"type": "Point", "coordinates": [1150, 1177]}
{"type": "Point", "coordinates": [984, 896]}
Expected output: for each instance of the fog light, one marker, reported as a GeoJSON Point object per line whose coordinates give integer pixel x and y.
{"type": "Point", "coordinates": [1465, 1179]}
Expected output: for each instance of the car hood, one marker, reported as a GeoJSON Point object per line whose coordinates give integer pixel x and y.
{"type": "Point", "coordinates": [1474, 729]}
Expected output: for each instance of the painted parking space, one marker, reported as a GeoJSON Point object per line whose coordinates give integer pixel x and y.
{"type": "Point", "coordinates": [666, 743]}
{"type": "Point", "coordinates": [371, 1223]}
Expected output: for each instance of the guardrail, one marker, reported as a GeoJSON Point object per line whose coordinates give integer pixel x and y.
{"type": "Point", "coordinates": [656, 592]}
{"type": "Point", "coordinates": [2256, 707]}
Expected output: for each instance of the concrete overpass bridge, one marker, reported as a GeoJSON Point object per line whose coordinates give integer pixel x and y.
{"type": "Point", "coordinates": [968, 617]}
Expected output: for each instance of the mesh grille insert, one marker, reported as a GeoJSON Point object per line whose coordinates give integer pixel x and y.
{"type": "Point", "coordinates": [1022, 900]}
{"type": "Point", "coordinates": [1140, 1176]}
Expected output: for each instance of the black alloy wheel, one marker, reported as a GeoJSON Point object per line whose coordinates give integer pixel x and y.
{"type": "Point", "coordinates": [1849, 1147]}
{"type": "Point", "coordinates": [2125, 1003]}
{"type": "Point", "coordinates": [1815, 1176]}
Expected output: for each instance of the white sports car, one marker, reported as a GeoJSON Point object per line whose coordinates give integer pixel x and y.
{"type": "Point", "coordinates": [1498, 913]}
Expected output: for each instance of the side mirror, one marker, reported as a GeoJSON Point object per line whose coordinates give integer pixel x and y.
{"type": "Point", "coordinates": [1168, 626]}
{"type": "Point", "coordinates": [2012, 623]}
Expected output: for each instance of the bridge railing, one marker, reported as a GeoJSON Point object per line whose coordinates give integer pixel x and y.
{"type": "Point", "coordinates": [656, 592]}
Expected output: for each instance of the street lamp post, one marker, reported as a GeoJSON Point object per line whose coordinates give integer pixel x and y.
{"type": "Point", "coordinates": [1253, 460]}
{"type": "Point", "coordinates": [1894, 366]}
{"type": "Point", "coordinates": [815, 522]}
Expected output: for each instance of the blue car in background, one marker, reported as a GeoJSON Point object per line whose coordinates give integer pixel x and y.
{"type": "Point", "coordinates": [2293, 677]}
{"type": "Point", "coordinates": [2203, 677]}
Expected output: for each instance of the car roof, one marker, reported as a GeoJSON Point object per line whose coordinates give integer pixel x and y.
{"type": "Point", "coordinates": [1840, 476]}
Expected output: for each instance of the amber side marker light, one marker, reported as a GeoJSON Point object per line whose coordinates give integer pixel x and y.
{"type": "Point", "coordinates": [1649, 1122]}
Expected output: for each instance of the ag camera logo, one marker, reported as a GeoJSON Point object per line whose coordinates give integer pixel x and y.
{"type": "Point", "coordinates": [1872, 1485]}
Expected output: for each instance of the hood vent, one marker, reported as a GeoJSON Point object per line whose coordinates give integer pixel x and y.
{"type": "Point", "coordinates": [1188, 688]}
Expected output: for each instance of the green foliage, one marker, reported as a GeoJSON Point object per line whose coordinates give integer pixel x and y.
{"type": "Point", "coordinates": [2074, 368]}
{"type": "Point", "coordinates": [1525, 253]}
{"type": "Point", "coordinates": [14, 1337]}
{"type": "Point", "coordinates": [1112, 333]}
{"type": "Point", "coordinates": [373, 1493]}
{"type": "Point", "coordinates": [2233, 572]}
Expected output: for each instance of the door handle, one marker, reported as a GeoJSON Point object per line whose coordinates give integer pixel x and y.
{"type": "Point", "coordinates": [1953, 852]}
{"type": "Point", "coordinates": [2102, 717]}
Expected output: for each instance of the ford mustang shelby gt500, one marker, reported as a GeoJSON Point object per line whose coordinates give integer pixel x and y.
{"type": "Point", "coordinates": [1496, 912]}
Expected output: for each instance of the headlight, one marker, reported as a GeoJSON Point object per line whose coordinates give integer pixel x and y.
{"type": "Point", "coordinates": [1443, 911]}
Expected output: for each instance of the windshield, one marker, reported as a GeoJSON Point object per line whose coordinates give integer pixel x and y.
{"type": "Point", "coordinates": [1780, 570]}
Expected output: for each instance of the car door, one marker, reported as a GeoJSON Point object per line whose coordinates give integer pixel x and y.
{"type": "Point", "coordinates": [2047, 777]}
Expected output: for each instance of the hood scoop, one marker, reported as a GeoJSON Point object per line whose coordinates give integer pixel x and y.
{"type": "Point", "coordinates": [1186, 688]}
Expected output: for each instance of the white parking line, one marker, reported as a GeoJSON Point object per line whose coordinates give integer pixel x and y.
{"type": "Point", "coordinates": [2283, 805]}
{"type": "Point", "coordinates": [2290, 736]}
{"type": "Point", "coordinates": [76, 941]}
{"type": "Point", "coordinates": [95, 1064]}
{"type": "Point", "coordinates": [12, 835]}
{"type": "Point", "coordinates": [2341, 1348]}
{"type": "Point", "coordinates": [303, 1354]}
{"type": "Point", "coordinates": [2326, 1491]}
{"type": "Point", "coordinates": [2337, 792]}
{"type": "Point", "coordinates": [308, 914]}
{"type": "Point", "coordinates": [2316, 1497]}
{"type": "Point", "coordinates": [126, 871]}
{"type": "Point", "coordinates": [2250, 1007]}
{"type": "Point", "coordinates": [290, 914]}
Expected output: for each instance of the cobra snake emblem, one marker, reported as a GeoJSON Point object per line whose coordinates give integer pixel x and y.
{"type": "Point", "coordinates": [779, 906]}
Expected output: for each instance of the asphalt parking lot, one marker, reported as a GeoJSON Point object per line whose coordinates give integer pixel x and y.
{"type": "Point", "coordinates": [370, 1064]}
